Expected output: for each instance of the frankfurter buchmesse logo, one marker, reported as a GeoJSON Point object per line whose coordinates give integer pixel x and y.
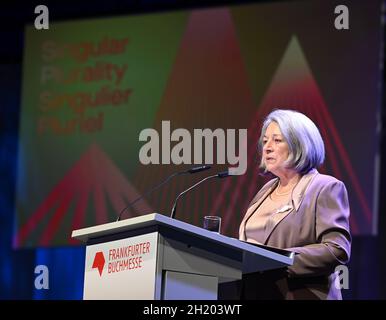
{"type": "Point", "coordinates": [99, 262]}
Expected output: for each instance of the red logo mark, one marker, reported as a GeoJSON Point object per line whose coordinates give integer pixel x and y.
{"type": "Point", "coordinates": [99, 262]}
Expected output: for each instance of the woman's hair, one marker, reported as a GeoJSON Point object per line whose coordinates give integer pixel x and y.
{"type": "Point", "coordinates": [305, 144]}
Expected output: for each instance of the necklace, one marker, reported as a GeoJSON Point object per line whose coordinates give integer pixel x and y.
{"type": "Point", "coordinates": [282, 194]}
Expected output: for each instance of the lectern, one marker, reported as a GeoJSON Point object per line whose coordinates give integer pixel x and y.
{"type": "Point", "coordinates": [156, 257]}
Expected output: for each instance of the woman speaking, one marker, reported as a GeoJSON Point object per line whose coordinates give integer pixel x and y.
{"type": "Point", "coordinates": [300, 210]}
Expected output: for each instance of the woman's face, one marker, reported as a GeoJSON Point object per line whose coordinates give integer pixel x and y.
{"type": "Point", "coordinates": [275, 150]}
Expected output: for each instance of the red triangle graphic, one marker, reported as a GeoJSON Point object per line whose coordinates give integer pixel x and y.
{"type": "Point", "coordinates": [201, 93]}
{"type": "Point", "coordinates": [94, 177]}
{"type": "Point", "coordinates": [294, 87]}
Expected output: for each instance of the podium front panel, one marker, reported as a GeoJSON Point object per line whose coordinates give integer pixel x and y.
{"type": "Point", "coordinates": [122, 269]}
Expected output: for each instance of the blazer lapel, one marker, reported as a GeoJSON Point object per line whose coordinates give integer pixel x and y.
{"type": "Point", "coordinates": [300, 189]}
{"type": "Point", "coordinates": [296, 199]}
{"type": "Point", "coordinates": [274, 220]}
{"type": "Point", "coordinates": [254, 204]}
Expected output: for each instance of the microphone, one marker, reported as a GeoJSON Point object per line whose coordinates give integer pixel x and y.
{"type": "Point", "coordinates": [220, 175]}
{"type": "Point", "coordinates": [191, 171]}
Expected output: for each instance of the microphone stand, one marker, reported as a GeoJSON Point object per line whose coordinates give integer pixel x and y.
{"type": "Point", "coordinates": [192, 170]}
{"type": "Point", "coordinates": [218, 175]}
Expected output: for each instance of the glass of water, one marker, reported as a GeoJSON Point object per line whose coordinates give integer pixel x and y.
{"type": "Point", "coordinates": [212, 223]}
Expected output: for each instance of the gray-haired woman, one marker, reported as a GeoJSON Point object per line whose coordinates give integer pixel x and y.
{"type": "Point", "coordinates": [300, 210]}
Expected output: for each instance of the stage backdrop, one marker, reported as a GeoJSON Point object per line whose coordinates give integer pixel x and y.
{"type": "Point", "coordinates": [91, 87]}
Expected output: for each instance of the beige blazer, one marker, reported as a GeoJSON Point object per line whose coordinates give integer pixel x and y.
{"type": "Point", "coordinates": [316, 226]}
